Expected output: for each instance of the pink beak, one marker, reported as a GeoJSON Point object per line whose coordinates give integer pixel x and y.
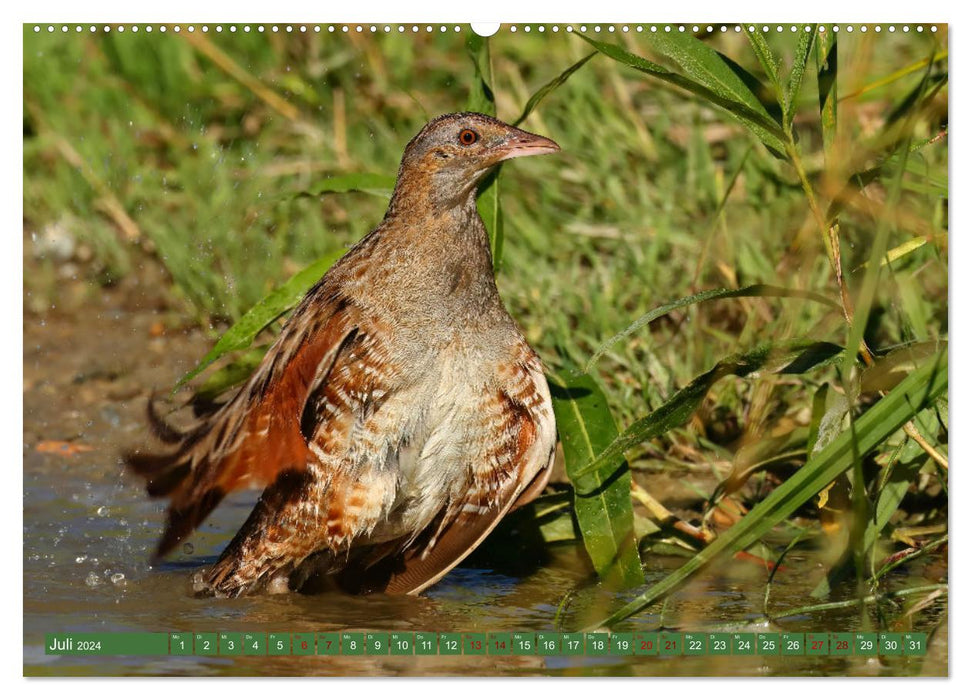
{"type": "Point", "coordinates": [522, 143]}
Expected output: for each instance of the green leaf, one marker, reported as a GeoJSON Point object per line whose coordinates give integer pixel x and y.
{"type": "Point", "coordinates": [715, 86]}
{"type": "Point", "coordinates": [803, 49]}
{"type": "Point", "coordinates": [602, 505]}
{"type": "Point", "coordinates": [490, 211]}
{"type": "Point", "coordinates": [370, 183]}
{"type": "Point", "coordinates": [754, 290]}
{"type": "Point", "coordinates": [236, 372]}
{"type": "Point", "coordinates": [827, 69]}
{"type": "Point", "coordinates": [556, 82]}
{"type": "Point", "coordinates": [267, 310]}
{"type": "Point", "coordinates": [886, 416]}
{"type": "Point", "coordinates": [482, 100]}
{"type": "Point", "coordinates": [481, 97]}
{"type": "Point", "coordinates": [794, 357]}
{"type": "Point", "coordinates": [708, 67]}
{"type": "Point", "coordinates": [764, 54]}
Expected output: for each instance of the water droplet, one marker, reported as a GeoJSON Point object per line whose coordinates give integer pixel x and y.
{"type": "Point", "coordinates": [118, 578]}
{"type": "Point", "coordinates": [81, 559]}
{"type": "Point", "coordinates": [102, 511]}
{"type": "Point", "coordinates": [187, 548]}
{"type": "Point", "coordinates": [93, 580]}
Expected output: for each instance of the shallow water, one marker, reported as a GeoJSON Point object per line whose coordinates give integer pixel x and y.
{"type": "Point", "coordinates": [89, 530]}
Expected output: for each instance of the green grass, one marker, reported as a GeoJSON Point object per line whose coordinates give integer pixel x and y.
{"type": "Point", "coordinates": [207, 145]}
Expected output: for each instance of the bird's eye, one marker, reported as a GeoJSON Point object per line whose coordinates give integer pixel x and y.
{"type": "Point", "coordinates": [467, 137]}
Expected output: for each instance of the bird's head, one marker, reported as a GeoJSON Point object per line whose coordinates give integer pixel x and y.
{"type": "Point", "coordinates": [451, 154]}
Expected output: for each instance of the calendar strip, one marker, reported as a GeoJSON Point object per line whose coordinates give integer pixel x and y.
{"type": "Point", "coordinates": [367, 643]}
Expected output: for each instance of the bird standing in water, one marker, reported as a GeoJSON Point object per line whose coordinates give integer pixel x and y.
{"type": "Point", "coordinates": [399, 415]}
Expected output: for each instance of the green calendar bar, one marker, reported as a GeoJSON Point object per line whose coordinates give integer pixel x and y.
{"type": "Point", "coordinates": [524, 643]}
{"type": "Point", "coordinates": [743, 644]}
{"type": "Point", "coordinates": [117, 644]}
{"type": "Point", "coordinates": [474, 644]}
{"type": "Point", "coordinates": [205, 643]}
{"type": "Point", "coordinates": [352, 643]}
{"type": "Point", "coordinates": [817, 644]}
{"type": "Point", "coordinates": [380, 643]}
{"type": "Point", "coordinates": [426, 643]}
{"type": "Point", "coordinates": [279, 644]}
{"type": "Point", "coordinates": [302, 644]}
{"type": "Point", "coordinates": [500, 644]}
{"type": "Point", "coordinates": [571, 644]}
{"type": "Point", "coordinates": [695, 644]}
{"type": "Point", "coordinates": [231, 644]}
{"type": "Point", "coordinates": [180, 644]}
{"type": "Point", "coordinates": [328, 643]}
{"type": "Point", "coordinates": [646, 643]}
{"type": "Point", "coordinates": [402, 643]}
{"type": "Point", "coordinates": [915, 643]}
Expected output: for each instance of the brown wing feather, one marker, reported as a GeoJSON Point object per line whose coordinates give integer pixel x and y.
{"type": "Point", "coordinates": [230, 450]}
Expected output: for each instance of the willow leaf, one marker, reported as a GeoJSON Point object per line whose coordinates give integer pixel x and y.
{"type": "Point", "coordinates": [602, 505]}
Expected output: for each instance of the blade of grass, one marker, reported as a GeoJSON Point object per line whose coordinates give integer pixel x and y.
{"type": "Point", "coordinates": [794, 357]}
{"type": "Point", "coordinates": [552, 85]}
{"type": "Point", "coordinates": [754, 290]}
{"type": "Point", "coordinates": [873, 427]}
{"type": "Point", "coordinates": [482, 99]}
{"type": "Point", "coordinates": [370, 183]}
{"type": "Point", "coordinates": [267, 310]}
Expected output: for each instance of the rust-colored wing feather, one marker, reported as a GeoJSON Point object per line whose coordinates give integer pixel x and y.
{"type": "Point", "coordinates": [230, 450]}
